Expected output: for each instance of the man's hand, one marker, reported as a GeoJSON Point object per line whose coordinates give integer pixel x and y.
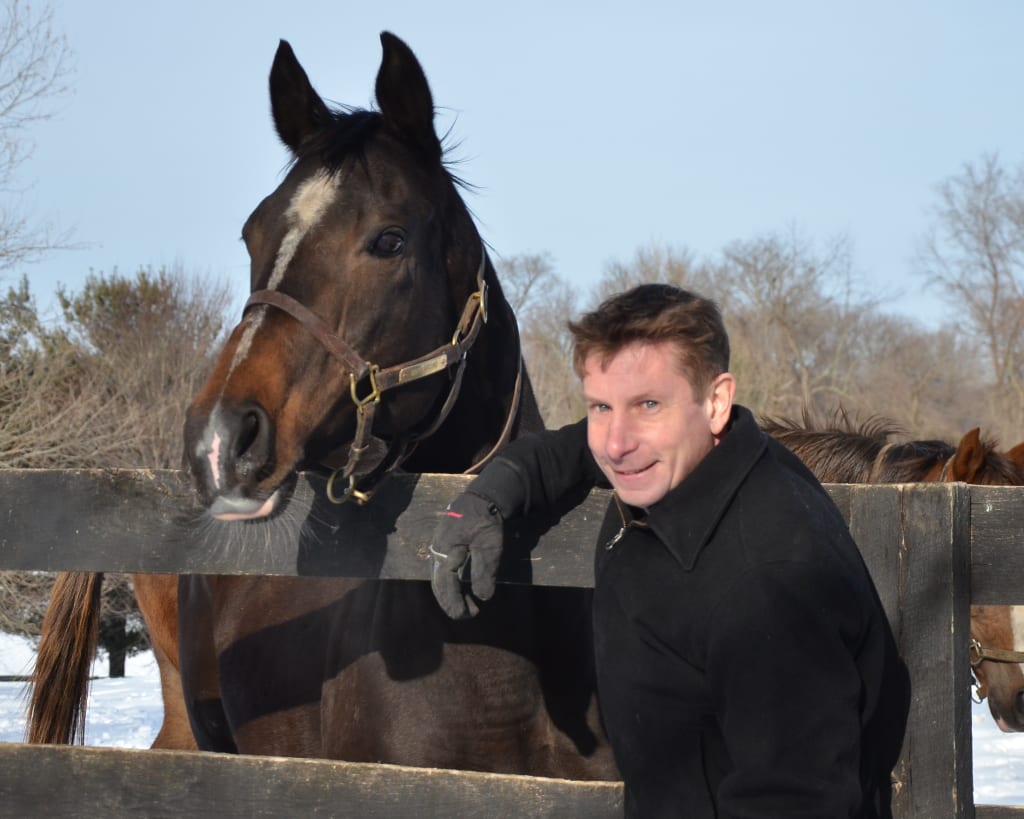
{"type": "Point", "coordinates": [471, 528]}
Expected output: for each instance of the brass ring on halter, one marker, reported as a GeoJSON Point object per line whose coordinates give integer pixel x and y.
{"type": "Point", "coordinates": [351, 493]}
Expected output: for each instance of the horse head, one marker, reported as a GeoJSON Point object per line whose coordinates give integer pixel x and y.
{"type": "Point", "coordinates": [370, 284]}
{"type": "Point", "coordinates": [997, 635]}
{"type": "Point", "coordinates": [976, 460]}
{"type": "Point", "coordinates": [997, 632]}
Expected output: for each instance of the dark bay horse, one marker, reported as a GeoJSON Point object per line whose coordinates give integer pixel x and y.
{"type": "Point", "coordinates": [376, 338]}
{"type": "Point", "coordinates": [840, 452]}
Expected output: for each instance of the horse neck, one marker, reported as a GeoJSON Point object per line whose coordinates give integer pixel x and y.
{"type": "Point", "coordinates": [481, 411]}
{"type": "Point", "coordinates": [832, 457]}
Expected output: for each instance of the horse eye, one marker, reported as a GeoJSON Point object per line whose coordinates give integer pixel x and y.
{"type": "Point", "coordinates": [389, 243]}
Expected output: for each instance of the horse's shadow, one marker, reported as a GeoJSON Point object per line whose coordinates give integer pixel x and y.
{"type": "Point", "coordinates": [347, 557]}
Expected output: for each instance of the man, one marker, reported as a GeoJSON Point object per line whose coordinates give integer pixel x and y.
{"type": "Point", "coordinates": [745, 666]}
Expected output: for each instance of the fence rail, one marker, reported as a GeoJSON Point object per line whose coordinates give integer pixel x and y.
{"type": "Point", "coordinates": [932, 549]}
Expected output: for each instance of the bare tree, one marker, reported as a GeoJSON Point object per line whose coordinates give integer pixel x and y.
{"type": "Point", "coordinates": [543, 303]}
{"type": "Point", "coordinates": [974, 252]}
{"type": "Point", "coordinates": [107, 388]}
{"type": "Point", "coordinates": [35, 64]}
{"type": "Point", "coordinates": [794, 320]}
{"type": "Point", "coordinates": [926, 380]}
{"type": "Point", "coordinates": [659, 264]}
{"type": "Point", "coordinates": [144, 345]}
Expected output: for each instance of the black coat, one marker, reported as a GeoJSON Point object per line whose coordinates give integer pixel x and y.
{"type": "Point", "coordinates": [745, 664]}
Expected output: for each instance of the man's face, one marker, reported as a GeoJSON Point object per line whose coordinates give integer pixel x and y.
{"type": "Point", "coordinates": [644, 427]}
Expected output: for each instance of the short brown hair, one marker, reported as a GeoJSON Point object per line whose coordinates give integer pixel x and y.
{"type": "Point", "coordinates": [654, 314]}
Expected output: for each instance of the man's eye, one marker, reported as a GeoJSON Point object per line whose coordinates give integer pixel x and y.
{"type": "Point", "coordinates": [650, 403]}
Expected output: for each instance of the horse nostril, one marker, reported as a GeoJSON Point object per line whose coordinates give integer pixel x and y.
{"type": "Point", "coordinates": [248, 433]}
{"type": "Point", "coordinates": [253, 442]}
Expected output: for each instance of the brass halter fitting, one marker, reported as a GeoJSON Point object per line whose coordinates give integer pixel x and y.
{"type": "Point", "coordinates": [451, 356]}
{"type": "Point", "coordinates": [351, 493]}
{"type": "Point", "coordinates": [374, 395]}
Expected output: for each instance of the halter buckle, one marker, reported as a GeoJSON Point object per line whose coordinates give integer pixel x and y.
{"type": "Point", "coordinates": [374, 394]}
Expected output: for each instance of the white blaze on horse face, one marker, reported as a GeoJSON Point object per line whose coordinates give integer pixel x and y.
{"type": "Point", "coordinates": [214, 458]}
{"type": "Point", "coordinates": [307, 207]}
{"type": "Point", "coordinates": [310, 201]}
{"type": "Point", "coordinates": [1017, 624]}
{"type": "Point", "coordinates": [312, 198]}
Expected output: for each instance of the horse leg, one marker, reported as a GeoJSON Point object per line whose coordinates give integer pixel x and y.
{"type": "Point", "coordinates": [197, 657]}
{"type": "Point", "coordinates": [60, 681]}
{"type": "Point", "coordinates": [157, 598]}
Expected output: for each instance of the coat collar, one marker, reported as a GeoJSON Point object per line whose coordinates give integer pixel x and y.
{"type": "Point", "coordinates": [686, 517]}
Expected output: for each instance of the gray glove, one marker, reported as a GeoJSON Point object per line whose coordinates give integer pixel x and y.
{"type": "Point", "coordinates": [471, 528]}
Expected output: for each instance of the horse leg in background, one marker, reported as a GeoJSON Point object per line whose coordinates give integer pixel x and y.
{"type": "Point", "coordinates": [60, 681]}
{"type": "Point", "coordinates": [1001, 682]}
{"type": "Point", "coordinates": [197, 661]}
{"type": "Point", "coordinates": [157, 598]}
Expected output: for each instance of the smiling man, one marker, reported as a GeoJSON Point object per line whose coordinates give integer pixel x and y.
{"type": "Point", "coordinates": [745, 665]}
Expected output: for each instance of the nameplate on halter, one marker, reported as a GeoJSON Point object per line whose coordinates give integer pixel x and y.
{"type": "Point", "coordinates": [424, 368]}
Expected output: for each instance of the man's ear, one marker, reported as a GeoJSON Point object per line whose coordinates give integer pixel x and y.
{"type": "Point", "coordinates": [719, 402]}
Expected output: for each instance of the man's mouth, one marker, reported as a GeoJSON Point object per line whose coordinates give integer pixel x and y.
{"type": "Point", "coordinates": [630, 473]}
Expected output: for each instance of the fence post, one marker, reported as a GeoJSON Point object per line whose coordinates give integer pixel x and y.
{"type": "Point", "coordinates": [915, 539]}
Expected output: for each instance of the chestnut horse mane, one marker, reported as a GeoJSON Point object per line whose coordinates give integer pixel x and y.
{"type": "Point", "coordinates": [838, 449]}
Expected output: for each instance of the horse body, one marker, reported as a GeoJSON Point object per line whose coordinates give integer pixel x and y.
{"type": "Point", "coordinates": [839, 453]}
{"type": "Point", "coordinates": [378, 262]}
{"type": "Point", "coordinates": [377, 337]}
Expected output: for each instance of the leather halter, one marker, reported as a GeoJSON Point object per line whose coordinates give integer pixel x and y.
{"type": "Point", "coordinates": [981, 653]}
{"type": "Point", "coordinates": [366, 453]}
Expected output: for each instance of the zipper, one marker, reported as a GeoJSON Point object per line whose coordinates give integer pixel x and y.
{"type": "Point", "coordinates": [625, 524]}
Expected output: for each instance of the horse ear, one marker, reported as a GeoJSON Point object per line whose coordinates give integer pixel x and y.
{"type": "Point", "coordinates": [1017, 454]}
{"type": "Point", "coordinates": [298, 110]}
{"type": "Point", "coordinates": [404, 97]}
{"type": "Point", "coordinates": [968, 458]}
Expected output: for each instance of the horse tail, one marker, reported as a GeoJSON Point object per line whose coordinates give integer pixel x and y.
{"type": "Point", "coordinates": [60, 681]}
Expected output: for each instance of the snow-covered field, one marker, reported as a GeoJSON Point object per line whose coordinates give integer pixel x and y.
{"type": "Point", "coordinates": [126, 713]}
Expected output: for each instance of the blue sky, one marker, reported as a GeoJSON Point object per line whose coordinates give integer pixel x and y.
{"type": "Point", "coordinates": [590, 129]}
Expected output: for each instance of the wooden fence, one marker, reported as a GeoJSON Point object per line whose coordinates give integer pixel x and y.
{"type": "Point", "coordinates": [931, 548]}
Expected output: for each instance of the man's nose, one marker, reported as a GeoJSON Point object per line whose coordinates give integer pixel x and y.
{"type": "Point", "coordinates": [620, 439]}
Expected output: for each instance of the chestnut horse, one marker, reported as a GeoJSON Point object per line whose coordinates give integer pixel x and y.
{"type": "Point", "coordinates": [376, 337]}
{"type": "Point", "coordinates": [839, 453]}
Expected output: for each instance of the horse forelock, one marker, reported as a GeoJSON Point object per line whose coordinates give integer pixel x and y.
{"type": "Point", "coordinates": [346, 134]}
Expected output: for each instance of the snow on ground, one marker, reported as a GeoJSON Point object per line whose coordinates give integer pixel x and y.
{"type": "Point", "coordinates": [126, 713]}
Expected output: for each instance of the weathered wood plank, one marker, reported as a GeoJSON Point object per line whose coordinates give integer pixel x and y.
{"type": "Point", "coordinates": [874, 515]}
{"type": "Point", "coordinates": [997, 545]}
{"type": "Point", "coordinates": [116, 782]}
{"type": "Point", "coordinates": [935, 619]}
{"type": "Point", "coordinates": [915, 544]}
{"type": "Point", "coordinates": [146, 521]}
{"type": "Point", "coordinates": [998, 812]}
{"type": "Point", "coordinates": [917, 541]}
